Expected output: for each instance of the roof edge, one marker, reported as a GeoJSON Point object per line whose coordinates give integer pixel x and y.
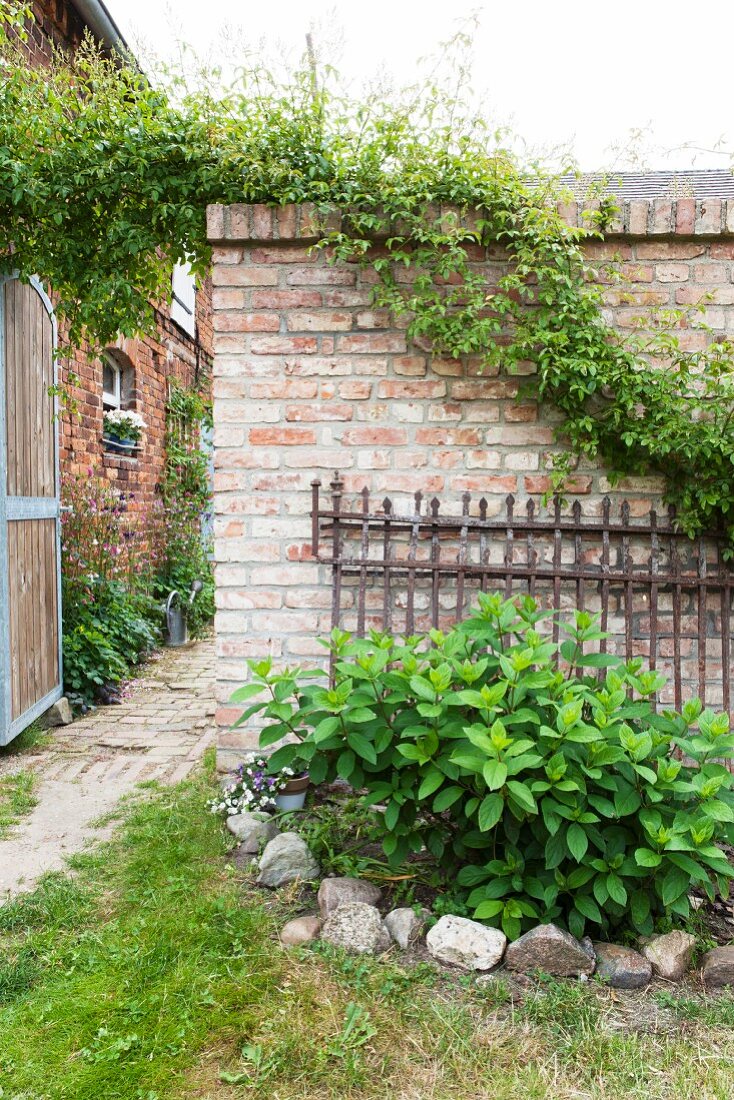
{"type": "Point", "coordinates": [100, 22]}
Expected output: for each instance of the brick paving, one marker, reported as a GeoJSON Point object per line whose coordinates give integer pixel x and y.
{"type": "Point", "coordinates": [158, 733]}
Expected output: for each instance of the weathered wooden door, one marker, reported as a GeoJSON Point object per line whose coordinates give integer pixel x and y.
{"type": "Point", "coordinates": [30, 632]}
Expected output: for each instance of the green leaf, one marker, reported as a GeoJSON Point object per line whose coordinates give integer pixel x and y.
{"type": "Point", "coordinates": [359, 715]}
{"type": "Point", "coordinates": [362, 746]}
{"type": "Point", "coordinates": [577, 841]}
{"type": "Point", "coordinates": [522, 796]}
{"type": "Point", "coordinates": [432, 780]}
{"type": "Point", "coordinates": [490, 811]}
{"type": "Point", "coordinates": [423, 689]}
{"type": "Point", "coordinates": [325, 728]}
{"type": "Point", "coordinates": [555, 850]}
{"type": "Point", "coordinates": [242, 694]}
{"type": "Point", "coordinates": [645, 857]}
{"type": "Point", "coordinates": [587, 907]}
{"type": "Point", "coordinates": [392, 813]}
{"type": "Point", "coordinates": [488, 909]}
{"type": "Point", "coordinates": [345, 764]}
{"type": "Point", "coordinates": [626, 802]}
{"type": "Point", "coordinates": [675, 883]}
{"type": "Point", "coordinates": [446, 798]}
{"type": "Point", "coordinates": [639, 907]}
{"type": "Point", "coordinates": [616, 888]}
{"type": "Point", "coordinates": [495, 774]}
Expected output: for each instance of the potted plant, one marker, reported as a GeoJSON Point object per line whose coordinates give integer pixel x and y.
{"type": "Point", "coordinates": [292, 795]}
{"type": "Point", "coordinates": [123, 430]}
{"type": "Point", "coordinates": [253, 790]}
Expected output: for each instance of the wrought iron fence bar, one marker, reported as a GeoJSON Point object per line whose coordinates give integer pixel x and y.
{"type": "Point", "coordinates": [689, 582]}
{"type": "Point", "coordinates": [453, 523]}
{"type": "Point", "coordinates": [647, 581]}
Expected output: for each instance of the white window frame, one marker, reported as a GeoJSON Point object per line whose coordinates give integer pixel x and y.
{"type": "Point", "coordinates": [112, 399]}
{"type": "Point", "coordinates": [183, 301]}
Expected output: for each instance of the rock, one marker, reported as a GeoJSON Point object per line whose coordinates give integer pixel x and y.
{"type": "Point", "coordinates": [286, 859]}
{"type": "Point", "coordinates": [588, 946]}
{"type": "Point", "coordinates": [718, 967]}
{"type": "Point", "coordinates": [466, 943]}
{"type": "Point", "coordinates": [252, 830]}
{"type": "Point", "coordinates": [300, 930]}
{"type": "Point", "coordinates": [670, 954]}
{"type": "Point", "coordinates": [621, 967]}
{"type": "Point", "coordinates": [358, 928]}
{"type": "Point", "coordinates": [334, 892]}
{"type": "Point", "coordinates": [405, 926]}
{"type": "Point", "coordinates": [551, 950]}
{"type": "Point", "coordinates": [59, 714]}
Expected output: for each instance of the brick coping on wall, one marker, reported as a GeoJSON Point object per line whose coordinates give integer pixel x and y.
{"type": "Point", "coordinates": [688, 217]}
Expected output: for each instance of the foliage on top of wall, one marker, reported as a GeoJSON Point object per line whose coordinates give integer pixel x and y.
{"type": "Point", "coordinates": [104, 179]}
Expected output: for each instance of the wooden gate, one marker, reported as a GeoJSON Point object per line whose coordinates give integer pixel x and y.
{"type": "Point", "coordinates": [30, 634]}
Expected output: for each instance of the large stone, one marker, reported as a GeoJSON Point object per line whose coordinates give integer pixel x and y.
{"type": "Point", "coordinates": [551, 950]}
{"type": "Point", "coordinates": [286, 859]}
{"type": "Point", "coordinates": [466, 943]}
{"type": "Point", "coordinates": [621, 967]}
{"type": "Point", "coordinates": [301, 930]}
{"type": "Point", "coordinates": [670, 954]}
{"type": "Point", "coordinates": [718, 967]}
{"type": "Point", "coordinates": [59, 714]}
{"type": "Point", "coordinates": [358, 928]}
{"type": "Point", "coordinates": [334, 892]}
{"type": "Point", "coordinates": [405, 926]}
{"type": "Point", "coordinates": [252, 830]}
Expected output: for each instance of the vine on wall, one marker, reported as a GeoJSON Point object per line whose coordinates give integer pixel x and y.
{"type": "Point", "coordinates": [186, 497]}
{"type": "Point", "coordinates": [105, 176]}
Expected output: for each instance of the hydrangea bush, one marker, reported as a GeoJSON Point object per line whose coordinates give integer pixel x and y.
{"type": "Point", "coordinates": [545, 780]}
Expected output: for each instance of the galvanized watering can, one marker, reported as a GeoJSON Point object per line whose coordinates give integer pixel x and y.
{"type": "Point", "coordinates": [177, 615]}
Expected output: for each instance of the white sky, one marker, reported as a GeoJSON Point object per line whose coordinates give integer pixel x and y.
{"type": "Point", "coordinates": [575, 72]}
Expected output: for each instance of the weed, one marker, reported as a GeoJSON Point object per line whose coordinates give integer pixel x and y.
{"type": "Point", "coordinates": [16, 798]}
{"type": "Point", "coordinates": [34, 736]}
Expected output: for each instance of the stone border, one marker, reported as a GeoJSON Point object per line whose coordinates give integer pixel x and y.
{"type": "Point", "coordinates": [638, 218]}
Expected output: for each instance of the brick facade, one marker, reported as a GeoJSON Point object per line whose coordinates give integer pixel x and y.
{"type": "Point", "coordinates": [309, 378]}
{"type": "Point", "coordinates": [169, 353]}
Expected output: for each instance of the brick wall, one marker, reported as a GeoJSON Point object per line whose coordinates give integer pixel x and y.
{"type": "Point", "coordinates": [168, 353]}
{"type": "Point", "coordinates": [308, 378]}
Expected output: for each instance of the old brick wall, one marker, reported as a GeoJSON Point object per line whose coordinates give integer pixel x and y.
{"type": "Point", "coordinates": [168, 353]}
{"type": "Point", "coordinates": [308, 378]}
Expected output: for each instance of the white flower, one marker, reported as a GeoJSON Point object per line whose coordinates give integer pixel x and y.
{"type": "Point", "coordinates": [124, 418]}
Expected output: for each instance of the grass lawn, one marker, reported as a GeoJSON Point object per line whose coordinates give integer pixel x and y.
{"type": "Point", "coordinates": [154, 973]}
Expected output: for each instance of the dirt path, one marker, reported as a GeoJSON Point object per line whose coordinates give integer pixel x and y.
{"type": "Point", "coordinates": [159, 732]}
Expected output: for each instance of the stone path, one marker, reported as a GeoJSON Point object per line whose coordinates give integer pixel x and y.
{"type": "Point", "coordinates": [160, 732]}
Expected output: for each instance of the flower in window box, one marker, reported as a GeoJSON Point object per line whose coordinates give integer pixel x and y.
{"type": "Point", "coordinates": [123, 427]}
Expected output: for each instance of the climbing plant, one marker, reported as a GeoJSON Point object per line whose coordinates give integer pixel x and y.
{"type": "Point", "coordinates": [105, 176]}
{"type": "Point", "coordinates": [186, 500]}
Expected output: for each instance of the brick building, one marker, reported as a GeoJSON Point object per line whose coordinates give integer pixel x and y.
{"type": "Point", "coordinates": [134, 374]}
{"type": "Point", "coordinates": [36, 446]}
{"type": "Point", "coordinates": [309, 379]}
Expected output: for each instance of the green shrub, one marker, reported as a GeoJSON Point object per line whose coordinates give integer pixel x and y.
{"type": "Point", "coordinates": [545, 783]}
{"type": "Point", "coordinates": [90, 662]}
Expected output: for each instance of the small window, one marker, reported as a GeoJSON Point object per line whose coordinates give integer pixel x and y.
{"type": "Point", "coordinates": [111, 383]}
{"type": "Point", "coordinates": [183, 304]}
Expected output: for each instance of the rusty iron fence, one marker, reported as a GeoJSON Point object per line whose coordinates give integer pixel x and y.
{"type": "Point", "coordinates": [659, 594]}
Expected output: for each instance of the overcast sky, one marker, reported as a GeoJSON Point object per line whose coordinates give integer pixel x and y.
{"type": "Point", "coordinates": [573, 72]}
